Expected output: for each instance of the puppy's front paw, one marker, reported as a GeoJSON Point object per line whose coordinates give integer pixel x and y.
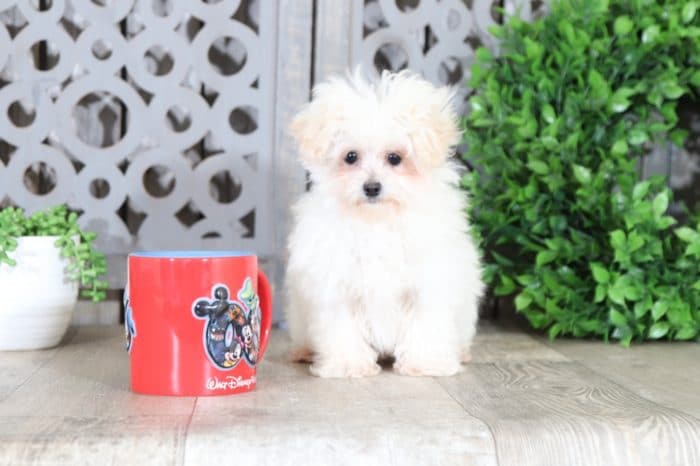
{"type": "Point", "coordinates": [417, 368]}
{"type": "Point", "coordinates": [344, 369]}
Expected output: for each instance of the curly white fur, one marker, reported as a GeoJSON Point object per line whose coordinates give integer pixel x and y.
{"type": "Point", "coordinates": [397, 275]}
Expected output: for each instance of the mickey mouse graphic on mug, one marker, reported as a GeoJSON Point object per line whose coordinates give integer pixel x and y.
{"type": "Point", "coordinates": [129, 324]}
{"type": "Point", "coordinates": [228, 335]}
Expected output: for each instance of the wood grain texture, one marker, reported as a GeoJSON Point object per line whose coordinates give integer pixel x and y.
{"type": "Point", "coordinates": [74, 407]}
{"type": "Point", "coordinates": [545, 411]}
{"type": "Point", "coordinates": [509, 344]}
{"type": "Point", "coordinates": [523, 401]}
{"type": "Point", "coordinates": [88, 376]}
{"type": "Point", "coordinates": [666, 373]}
{"type": "Point", "coordinates": [17, 368]}
{"type": "Point", "coordinates": [89, 440]}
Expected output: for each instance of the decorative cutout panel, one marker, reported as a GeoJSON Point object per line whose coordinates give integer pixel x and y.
{"type": "Point", "coordinates": [434, 37]}
{"type": "Point", "coordinates": [153, 118]}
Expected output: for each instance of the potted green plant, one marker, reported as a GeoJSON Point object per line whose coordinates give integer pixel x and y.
{"type": "Point", "coordinates": [44, 259]}
{"type": "Point", "coordinates": [559, 120]}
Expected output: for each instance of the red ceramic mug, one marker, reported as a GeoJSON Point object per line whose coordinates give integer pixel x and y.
{"type": "Point", "coordinates": [197, 322]}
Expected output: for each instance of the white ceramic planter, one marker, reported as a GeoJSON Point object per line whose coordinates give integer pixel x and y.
{"type": "Point", "coordinates": [36, 297]}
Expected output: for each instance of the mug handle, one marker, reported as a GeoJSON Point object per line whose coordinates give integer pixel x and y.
{"type": "Point", "coordinates": [265, 296]}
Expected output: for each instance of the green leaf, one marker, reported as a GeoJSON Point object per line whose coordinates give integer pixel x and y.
{"type": "Point", "coordinates": [650, 34]}
{"type": "Point", "coordinates": [567, 30]}
{"type": "Point", "coordinates": [686, 333]}
{"type": "Point", "coordinates": [617, 318]}
{"type": "Point", "coordinates": [620, 147]}
{"type": "Point", "coordinates": [589, 325]}
{"type": "Point", "coordinates": [671, 89]}
{"type": "Point", "coordinates": [549, 142]}
{"type": "Point", "coordinates": [665, 222]}
{"type": "Point", "coordinates": [522, 301]}
{"type": "Point", "coordinates": [688, 12]}
{"type": "Point", "coordinates": [599, 6]}
{"type": "Point", "coordinates": [537, 319]}
{"type": "Point", "coordinates": [618, 102]}
{"type": "Point", "coordinates": [538, 167]}
{"type": "Point", "coordinates": [679, 313]}
{"type": "Point", "coordinates": [528, 130]}
{"type": "Point", "coordinates": [642, 307]}
{"type": "Point", "coordinates": [626, 339]}
{"type": "Point", "coordinates": [634, 241]}
{"type": "Point", "coordinates": [545, 257]}
{"type": "Point", "coordinates": [548, 114]}
{"type": "Point", "coordinates": [601, 291]}
{"type": "Point", "coordinates": [695, 79]}
{"type": "Point", "coordinates": [640, 190]}
{"type": "Point", "coordinates": [632, 293]}
{"type": "Point", "coordinates": [582, 174]}
{"type": "Point", "coordinates": [616, 295]}
{"type": "Point", "coordinates": [637, 137]}
{"type": "Point", "coordinates": [599, 87]}
{"type": "Point", "coordinates": [477, 103]}
{"type": "Point", "coordinates": [483, 54]}
{"type": "Point", "coordinates": [600, 273]}
{"type": "Point", "coordinates": [658, 330]}
{"type": "Point", "coordinates": [693, 249]}
{"type": "Point", "coordinates": [686, 234]}
{"type": "Point", "coordinates": [506, 286]}
{"type": "Point", "coordinates": [533, 50]}
{"type": "Point", "coordinates": [659, 309]}
{"type": "Point", "coordinates": [554, 330]}
{"type": "Point", "coordinates": [677, 136]}
{"type": "Point", "coordinates": [526, 279]}
{"type": "Point", "coordinates": [660, 203]}
{"type": "Point", "coordinates": [623, 25]}
{"type": "Point", "coordinates": [618, 240]}
{"type": "Point", "coordinates": [496, 30]}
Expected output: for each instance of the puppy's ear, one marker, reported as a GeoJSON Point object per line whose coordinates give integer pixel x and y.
{"type": "Point", "coordinates": [315, 126]}
{"type": "Point", "coordinates": [304, 128]}
{"type": "Point", "coordinates": [444, 133]}
{"type": "Point", "coordinates": [334, 103]}
{"type": "Point", "coordinates": [439, 131]}
{"type": "Point", "coordinates": [429, 114]}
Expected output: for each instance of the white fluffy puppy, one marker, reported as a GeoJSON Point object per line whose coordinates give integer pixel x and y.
{"type": "Point", "coordinates": [380, 259]}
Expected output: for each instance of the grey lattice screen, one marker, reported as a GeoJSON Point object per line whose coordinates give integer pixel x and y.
{"type": "Point", "coordinates": [437, 38]}
{"type": "Point", "coordinates": [154, 119]}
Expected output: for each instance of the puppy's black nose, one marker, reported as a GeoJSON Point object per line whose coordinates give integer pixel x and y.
{"type": "Point", "coordinates": [372, 188]}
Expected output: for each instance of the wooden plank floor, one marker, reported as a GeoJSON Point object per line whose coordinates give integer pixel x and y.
{"type": "Point", "coordinates": [522, 401]}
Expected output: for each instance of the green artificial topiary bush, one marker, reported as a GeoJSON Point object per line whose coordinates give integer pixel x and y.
{"type": "Point", "coordinates": [558, 122]}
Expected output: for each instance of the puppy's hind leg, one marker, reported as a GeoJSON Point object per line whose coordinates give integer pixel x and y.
{"type": "Point", "coordinates": [466, 324]}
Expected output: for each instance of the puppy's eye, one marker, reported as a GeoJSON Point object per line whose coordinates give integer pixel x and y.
{"type": "Point", "coordinates": [394, 158]}
{"type": "Point", "coordinates": [351, 157]}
